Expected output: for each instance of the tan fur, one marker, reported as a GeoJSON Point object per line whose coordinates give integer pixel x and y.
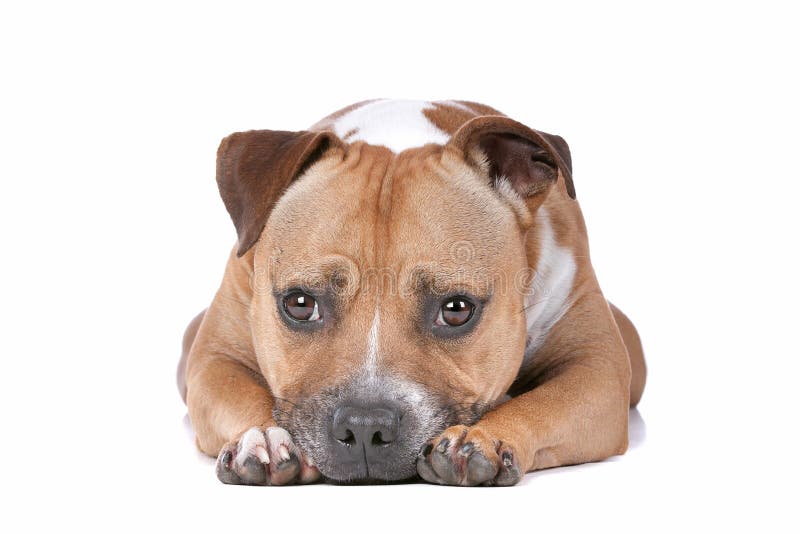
{"type": "Point", "coordinates": [361, 211]}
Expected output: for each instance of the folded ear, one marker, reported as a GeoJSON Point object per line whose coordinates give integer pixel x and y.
{"type": "Point", "coordinates": [254, 169]}
{"type": "Point", "coordinates": [528, 159]}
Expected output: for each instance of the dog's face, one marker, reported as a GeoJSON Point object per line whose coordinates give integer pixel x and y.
{"type": "Point", "coordinates": [388, 303]}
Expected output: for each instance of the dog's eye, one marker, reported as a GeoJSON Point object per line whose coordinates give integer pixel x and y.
{"type": "Point", "coordinates": [301, 307]}
{"type": "Point", "coordinates": [456, 311]}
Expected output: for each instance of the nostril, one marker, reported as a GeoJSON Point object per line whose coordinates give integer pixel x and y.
{"type": "Point", "coordinates": [349, 440]}
{"type": "Point", "coordinates": [377, 440]}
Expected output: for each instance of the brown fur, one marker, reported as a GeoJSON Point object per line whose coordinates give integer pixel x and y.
{"type": "Point", "coordinates": [360, 209]}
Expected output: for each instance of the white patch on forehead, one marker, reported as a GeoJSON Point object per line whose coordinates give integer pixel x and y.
{"type": "Point", "coordinates": [548, 299]}
{"type": "Point", "coordinates": [395, 124]}
{"type": "Point", "coordinates": [372, 345]}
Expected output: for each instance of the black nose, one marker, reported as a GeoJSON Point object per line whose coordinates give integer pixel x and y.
{"type": "Point", "coordinates": [366, 429]}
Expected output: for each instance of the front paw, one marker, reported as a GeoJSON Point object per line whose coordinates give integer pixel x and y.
{"type": "Point", "coordinates": [468, 456]}
{"type": "Point", "coordinates": [264, 457]}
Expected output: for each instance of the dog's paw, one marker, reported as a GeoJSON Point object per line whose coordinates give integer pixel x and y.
{"type": "Point", "coordinates": [264, 458]}
{"type": "Point", "coordinates": [464, 456]}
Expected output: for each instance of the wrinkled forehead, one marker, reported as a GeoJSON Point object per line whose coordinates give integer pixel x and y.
{"type": "Point", "coordinates": [379, 211]}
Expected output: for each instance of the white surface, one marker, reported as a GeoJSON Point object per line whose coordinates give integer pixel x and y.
{"type": "Point", "coordinates": [683, 126]}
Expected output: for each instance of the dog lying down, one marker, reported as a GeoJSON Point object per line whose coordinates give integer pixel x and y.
{"type": "Point", "coordinates": [410, 295]}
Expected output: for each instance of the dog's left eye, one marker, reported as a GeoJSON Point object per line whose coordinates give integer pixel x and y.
{"type": "Point", "coordinates": [455, 311]}
{"type": "Point", "coordinates": [301, 307]}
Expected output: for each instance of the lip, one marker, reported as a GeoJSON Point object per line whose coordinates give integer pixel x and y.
{"type": "Point", "coordinates": [355, 473]}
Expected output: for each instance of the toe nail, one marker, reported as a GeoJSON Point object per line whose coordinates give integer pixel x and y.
{"type": "Point", "coordinates": [426, 449]}
{"type": "Point", "coordinates": [466, 449]}
{"type": "Point", "coordinates": [227, 458]}
{"type": "Point", "coordinates": [284, 452]}
{"type": "Point", "coordinates": [262, 455]}
{"type": "Point", "coordinates": [508, 459]}
{"type": "Point", "coordinates": [443, 445]}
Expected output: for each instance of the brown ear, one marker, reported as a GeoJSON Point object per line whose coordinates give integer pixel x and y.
{"type": "Point", "coordinates": [530, 160]}
{"type": "Point", "coordinates": [254, 169]}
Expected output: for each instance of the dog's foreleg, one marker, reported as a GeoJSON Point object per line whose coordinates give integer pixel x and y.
{"type": "Point", "coordinates": [231, 406]}
{"type": "Point", "coordinates": [575, 411]}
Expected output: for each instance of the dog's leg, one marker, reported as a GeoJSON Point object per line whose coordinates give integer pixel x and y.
{"type": "Point", "coordinates": [230, 405]}
{"type": "Point", "coordinates": [574, 409]}
{"type": "Point", "coordinates": [635, 354]}
{"type": "Point", "coordinates": [188, 341]}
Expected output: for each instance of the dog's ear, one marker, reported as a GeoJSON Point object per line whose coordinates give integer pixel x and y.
{"type": "Point", "coordinates": [528, 159]}
{"type": "Point", "coordinates": [254, 168]}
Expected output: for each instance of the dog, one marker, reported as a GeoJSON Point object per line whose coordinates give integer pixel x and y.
{"type": "Point", "coordinates": [410, 295]}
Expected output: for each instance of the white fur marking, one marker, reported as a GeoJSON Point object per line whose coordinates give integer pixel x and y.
{"type": "Point", "coordinates": [372, 345]}
{"type": "Point", "coordinates": [548, 299]}
{"type": "Point", "coordinates": [395, 124]}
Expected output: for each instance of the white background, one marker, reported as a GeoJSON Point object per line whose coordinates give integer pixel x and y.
{"type": "Point", "coordinates": [682, 121]}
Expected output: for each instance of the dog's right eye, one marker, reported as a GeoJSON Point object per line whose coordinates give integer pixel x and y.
{"type": "Point", "coordinates": [301, 307]}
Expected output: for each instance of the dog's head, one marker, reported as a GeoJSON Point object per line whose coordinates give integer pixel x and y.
{"type": "Point", "coordinates": [388, 289]}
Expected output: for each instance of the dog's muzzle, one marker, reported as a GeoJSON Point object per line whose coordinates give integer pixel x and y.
{"type": "Point", "coordinates": [370, 428]}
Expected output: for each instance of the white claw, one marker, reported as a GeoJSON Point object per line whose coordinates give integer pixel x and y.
{"type": "Point", "coordinates": [261, 454]}
{"type": "Point", "coordinates": [250, 443]}
{"type": "Point", "coordinates": [284, 452]}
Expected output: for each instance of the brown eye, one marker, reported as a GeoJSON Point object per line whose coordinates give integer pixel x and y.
{"type": "Point", "coordinates": [301, 307]}
{"type": "Point", "coordinates": [455, 311]}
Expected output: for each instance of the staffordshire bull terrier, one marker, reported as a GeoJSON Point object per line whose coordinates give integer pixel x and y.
{"type": "Point", "coordinates": [410, 295]}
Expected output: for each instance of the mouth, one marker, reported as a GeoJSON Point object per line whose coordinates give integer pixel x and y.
{"type": "Point", "coordinates": [368, 431]}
